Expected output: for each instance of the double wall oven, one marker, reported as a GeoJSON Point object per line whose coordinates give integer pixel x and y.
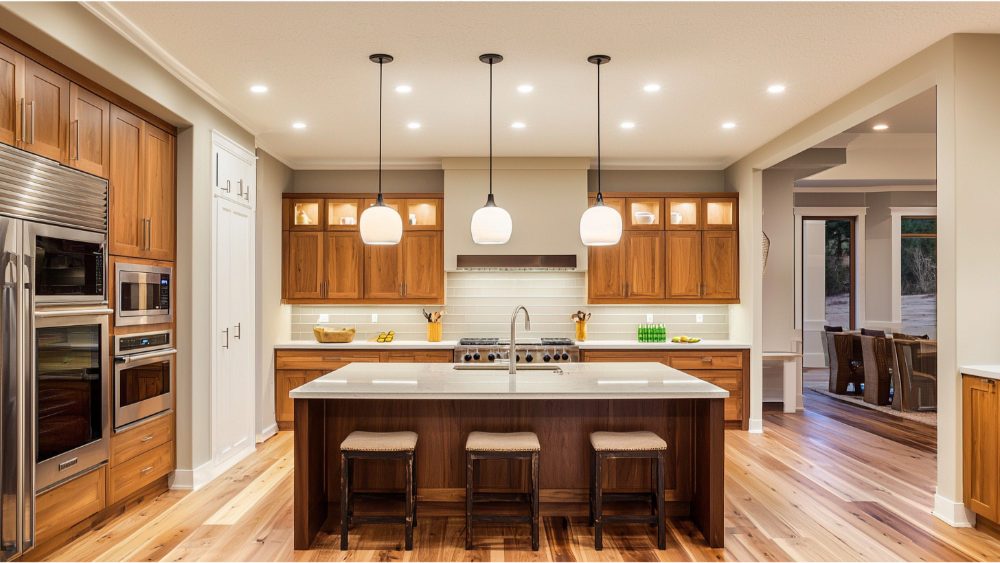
{"type": "Point", "coordinates": [55, 376]}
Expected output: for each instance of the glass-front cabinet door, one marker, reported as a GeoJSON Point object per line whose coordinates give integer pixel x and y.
{"type": "Point", "coordinates": [683, 214]}
{"type": "Point", "coordinates": [424, 215]}
{"type": "Point", "coordinates": [643, 214]}
{"type": "Point", "coordinates": [304, 214]}
{"type": "Point", "coordinates": [342, 214]}
{"type": "Point", "coordinates": [720, 214]}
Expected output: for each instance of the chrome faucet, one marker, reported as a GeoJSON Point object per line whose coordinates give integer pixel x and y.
{"type": "Point", "coordinates": [512, 355]}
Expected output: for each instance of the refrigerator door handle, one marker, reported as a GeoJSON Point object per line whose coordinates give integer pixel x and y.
{"type": "Point", "coordinates": [10, 415]}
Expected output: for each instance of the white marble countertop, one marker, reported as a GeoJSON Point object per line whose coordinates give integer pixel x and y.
{"type": "Point", "coordinates": [450, 344]}
{"type": "Point", "coordinates": [613, 380]}
{"type": "Point", "coordinates": [990, 372]}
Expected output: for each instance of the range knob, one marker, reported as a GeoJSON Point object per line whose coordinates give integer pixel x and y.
{"type": "Point", "coordinates": [519, 357]}
{"type": "Point", "coordinates": [546, 357]}
{"type": "Point", "coordinates": [475, 355]}
{"type": "Point", "coordinates": [492, 356]}
{"type": "Point", "coordinates": [468, 356]}
{"type": "Point", "coordinates": [565, 356]}
{"type": "Point", "coordinates": [529, 357]}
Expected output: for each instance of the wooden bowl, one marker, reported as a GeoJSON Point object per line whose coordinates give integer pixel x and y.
{"type": "Point", "coordinates": [333, 335]}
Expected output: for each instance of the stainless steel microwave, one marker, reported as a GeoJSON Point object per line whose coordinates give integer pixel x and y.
{"type": "Point", "coordinates": [144, 295]}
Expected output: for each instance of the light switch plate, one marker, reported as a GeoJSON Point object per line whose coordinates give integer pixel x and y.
{"type": "Point", "coordinates": [374, 317]}
{"type": "Point", "coordinates": [699, 318]}
{"type": "Point", "coordinates": [649, 318]}
{"type": "Point", "coordinates": [324, 318]}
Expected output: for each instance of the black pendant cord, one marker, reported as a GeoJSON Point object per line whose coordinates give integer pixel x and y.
{"type": "Point", "coordinates": [380, 129]}
{"type": "Point", "coordinates": [600, 198]}
{"type": "Point", "coordinates": [491, 128]}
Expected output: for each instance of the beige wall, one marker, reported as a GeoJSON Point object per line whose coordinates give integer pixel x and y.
{"type": "Point", "coordinates": [657, 181]}
{"type": "Point", "coordinates": [273, 318]}
{"type": "Point", "coordinates": [70, 34]}
{"type": "Point", "coordinates": [366, 181]}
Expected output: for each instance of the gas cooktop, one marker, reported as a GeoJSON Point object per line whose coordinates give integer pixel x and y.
{"type": "Point", "coordinates": [522, 342]}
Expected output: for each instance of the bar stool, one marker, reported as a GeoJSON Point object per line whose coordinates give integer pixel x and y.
{"type": "Point", "coordinates": [643, 445]}
{"type": "Point", "coordinates": [377, 445]}
{"type": "Point", "coordinates": [514, 445]}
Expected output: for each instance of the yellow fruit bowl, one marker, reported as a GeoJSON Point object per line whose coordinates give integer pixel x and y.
{"type": "Point", "coordinates": [333, 335]}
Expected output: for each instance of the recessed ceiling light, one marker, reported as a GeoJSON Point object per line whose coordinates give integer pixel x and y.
{"type": "Point", "coordinates": [776, 88]}
{"type": "Point", "coordinates": [299, 125]}
{"type": "Point", "coordinates": [651, 87]}
{"type": "Point", "coordinates": [517, 125]}
{"type": "Point", "coordinates": [628, 125]}
{"type": "Point", "coordinates": [413, 125]}
{"type": "Point", "coordinates": [525, 88]}
{"type": "Point", "coordinates": [729, 125]}
{"type": "Point", "coordinates": [403, 89]}
{"type": "Point", "coordinates": [880, 127]}
{"type": "Point", "coordinates": [258, 89]}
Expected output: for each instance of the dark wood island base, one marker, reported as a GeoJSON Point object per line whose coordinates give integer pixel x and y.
{"type": "Point", "coordinates": [692, 428]}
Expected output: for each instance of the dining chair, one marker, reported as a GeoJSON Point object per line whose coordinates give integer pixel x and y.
{"type": "Point", "coordinates": [846, 371]}
{"type": "Point", "coordinates": [877, 373]}
{"type": "Point", "coordinates": [872, 332]}
{"type": "Point", "coordinates": [916, 366]}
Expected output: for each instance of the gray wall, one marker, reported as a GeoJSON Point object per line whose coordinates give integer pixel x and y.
{"type": "Point", "coordinates": [658, 181]}
{"type": "Point", "coordinates": [366, 181]}
{"type": "Point", "coordinates": [70, 34]}
{"type": "Point", "coordinates": [273, 318]}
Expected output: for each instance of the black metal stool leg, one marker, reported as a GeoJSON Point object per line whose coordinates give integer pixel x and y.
{"type": "Point", "coordinates": [345, 487]}
{"type": "Point", "coordinates": [534, 501]}
{"type": "Point", "coordinates": [598, 506]}
{"type": "Point", "coordinates": [413, 491]}
{"type": "Point", "coordinates": [593, 456]}
{"type": "Point", "coordinates": [661, 518]}
{"type": "Point", "coordinates": [468, 500]}
{"type": "Point", "coordinates": [408, 546]}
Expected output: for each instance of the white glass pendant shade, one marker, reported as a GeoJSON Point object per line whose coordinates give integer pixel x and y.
{"type": "Point", "coordinates": [491, 224]}
{"type": "Point", "coordinates": [600, 226]}
{"type": "Point", "coordinates": [381, 224]}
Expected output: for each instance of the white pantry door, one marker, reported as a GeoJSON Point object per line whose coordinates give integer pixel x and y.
{"type": "Point", "coordinates": [233, 382]}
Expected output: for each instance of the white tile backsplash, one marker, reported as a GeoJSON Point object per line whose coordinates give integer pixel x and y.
{"type": "Point", "coordinates": [480, 304]}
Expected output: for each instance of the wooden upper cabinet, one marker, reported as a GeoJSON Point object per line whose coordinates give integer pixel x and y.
{"type": "Point", "coordinates": [384, 271]}
{"type": "Point", "coordinates": [423, 215]}
{"type": "Point", "coordinates": [125, 226]}
{"type": "Point", "coordinates": [981, 433]}
{"type": "Point", "coordinates": [683, 264]}
{"type": "Point", "coordinates": [90, 132]}
{"type": "Point", "coordinates": [683, 214]}
{"type": "Point", "coordinates": [645, 277]}
{"type": "Point", "coordinates": [720, 266]}
{"type": "Point", "coordinates": [11, 94]}
{"type": "Point", "coordinates": [606, 271]}
{"type": "Point", "coordinates": [304, 274]}
{"type": "Point", "coordinates": [720, 213]}
{"type": "Point", "coordinates": [423, 264]}
{"type": "Point", "coordinates": [46, 99]}
{"type": "Point", "coordinates": [343, 214]}
{"type": "Point", "coordinates": [643, 214]}
{"type": "Point", "coordinates": [345, 254]}
{"type": "Point", "coordinates": [305, 214]}
{"type": "Point", "coordinates": [158, 193]}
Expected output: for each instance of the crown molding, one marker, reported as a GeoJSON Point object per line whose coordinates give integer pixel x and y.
{"type": "Point", "coordinates": [433, 163]}
{"type": "Point", "coordinates": [656, 164]}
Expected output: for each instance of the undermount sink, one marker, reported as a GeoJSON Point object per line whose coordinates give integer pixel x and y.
{"type": "Point", "coordinates": [505, 367]}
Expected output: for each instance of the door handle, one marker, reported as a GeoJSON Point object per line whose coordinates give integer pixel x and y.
{"type": "Point", "coordinates": [32, 121]}
{"type": "Point", "coordinates": [226, 345]}
{"type": "Point", "coordinates": [239, 184]}
{"type": "Point", "coordinates": [77, 140]}
{"type": "Point", "coordinates": [24, 122]}
{"type": "Point", "coordinates": [239, 332]}
{"type": "Point", "coordinates": [149, 233]}
{"type": "Point", "coordinates": [146, 470]}
{"type": "Point", "coordinates": [229, 186]}
{"type": "Point", "coordinates": [707, 359]}
{"type": "Point", "coordinates": [73, 312]}
{"type": "Point", "coordinates": [146, 439]}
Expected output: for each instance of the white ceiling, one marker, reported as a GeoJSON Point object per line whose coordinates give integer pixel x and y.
{"type": "Point", "coordinates": [714, 62]}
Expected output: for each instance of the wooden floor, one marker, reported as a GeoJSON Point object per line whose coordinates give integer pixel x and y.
{"type": "Point", "coordinates": [833, 483]}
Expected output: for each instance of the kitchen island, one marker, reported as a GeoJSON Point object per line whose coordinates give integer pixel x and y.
{"type": "Point", "coordinates": [562, 405]}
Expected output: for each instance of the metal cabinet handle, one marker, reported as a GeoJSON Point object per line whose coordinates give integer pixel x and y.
{"type": "Point", "coordinates": [150, 468]}
{"type": "Point", "coordinates": [229, 186]}
{"type": "Point", "coordinates": [146, 439]}
{"type": "Point", "coordinates": [73, 312]}
{"type": "Point", "coordinates": [77, 140]}
{"type": "Point", "coordinates": [239, 332]}
{"type": "Point", "coordinates": [226, 345]}
{"type": "Point", "coordinates": [24, 122]}
{"type": "Point", "coordinates": [707, 359]}
{"type": "Point", "coordinates": [32, 121]}
{"type": "Point", "coordinates": [989, 382]}
{"type": "Point", "coordinates": [217, 169]}
{"type": "Point", "coordinates": [239, 183]}
{"type": "Point", "coordinates": [246, 193]}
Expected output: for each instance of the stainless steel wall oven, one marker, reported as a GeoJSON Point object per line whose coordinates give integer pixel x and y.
{"type": "Point", "coordinates": [144, 376]}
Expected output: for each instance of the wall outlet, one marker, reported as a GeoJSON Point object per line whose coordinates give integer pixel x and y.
{"type": "Point", "coordinates": [699, 318]}
{"type": "Point", "coordinates": [649, 318]}
{"type": "Point", "coordinates": [324, 318]}
{"type": "Point", "coordinates": [374, 318]}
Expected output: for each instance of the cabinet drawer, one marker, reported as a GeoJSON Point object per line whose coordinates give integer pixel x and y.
{"type": "Point", "coordinates": [330, 360]}
{"type": "Point", "coordinates": [418, 356]}
{"type": "Point", "coordinates": [734, 409]}
{"type": "Point", "coordinates": [623, 356]}
{"type": "Point", "coordinates": [59, 508]}
{"type": "Point", "coordinates": [705, 360]}
{"type": "Point", "coordinates": [140, 439]}
{"type": "Point", "coordinates": [730, 380]}
{"type": "Point", "coordinates": [140, 471]}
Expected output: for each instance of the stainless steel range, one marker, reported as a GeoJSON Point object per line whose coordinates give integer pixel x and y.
{"type": "Point", "coordinates": [529, 350]}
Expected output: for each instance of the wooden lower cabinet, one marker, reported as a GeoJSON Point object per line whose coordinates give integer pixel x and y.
{"type": "Point", "coordinates": [728, 369]}
{"type": "Point", "coordinates": [140, 439]}
{"type": "Point", "coordinates": [295, 368]}
{"type": "Point", "coordinates": [141, 470]}
{"type": "Point", "coordinates": [60, 508]}
{"type": "Point", "coordinates": [980, 445]}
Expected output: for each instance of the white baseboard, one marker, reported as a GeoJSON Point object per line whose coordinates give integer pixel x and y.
{"type": "Point", "coordinates": [756, 426]}
{"type": "Point", "coordinates": [267, 433]}
{"type": "Point", "coordinates": [954, 514]}
{"type": "Point", "coordinates": [194, 479]}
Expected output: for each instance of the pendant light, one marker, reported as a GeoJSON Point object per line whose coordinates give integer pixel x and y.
{"type": "Point", "coordinates": [600, 225]}
{"type": "Point", "coordinates": [491, 224]}
{"type": "Point", "coordinates": [380, 224]}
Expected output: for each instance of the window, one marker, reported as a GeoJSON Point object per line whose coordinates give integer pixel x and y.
{"type": "Point", "coordinates": [918, 275]}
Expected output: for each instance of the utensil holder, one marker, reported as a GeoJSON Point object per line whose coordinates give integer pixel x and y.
{"type": "Point", "coordinates": [581, 331]}
{"type": "Point", "coordinates": [434, 332]}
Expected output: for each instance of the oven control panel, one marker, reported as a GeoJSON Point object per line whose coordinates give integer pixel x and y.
{"type": "Point", "coordinates": [132, 343]}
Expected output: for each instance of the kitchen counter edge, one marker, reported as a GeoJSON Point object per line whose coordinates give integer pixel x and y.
{"type": "Point", "coordinates": [451, 344]}
{"type": "Point", "coordinates": [990, 372]}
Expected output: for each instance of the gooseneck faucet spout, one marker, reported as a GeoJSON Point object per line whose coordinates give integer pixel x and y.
{"type": "Point", "coordinates": [512, 354]}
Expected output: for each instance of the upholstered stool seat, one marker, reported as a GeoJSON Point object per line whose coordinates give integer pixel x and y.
{"type": "Point", "coordinates": [626, 441]}
{"type": "Point", "coordinates": [503, 442]}
{"type": "Point", "coordinates": [378, 445]}
{"type": "Point", "coordinates": [641, 445]}
{"type": "Point", "coordinates": [512, 445]}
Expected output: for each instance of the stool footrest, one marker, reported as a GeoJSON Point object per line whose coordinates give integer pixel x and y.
{"type": "Point", "coordinates": [628, 519]}
{"type": "Point", "coordinates": [501, 497]}
{"type": "Point", "coordinates": [628, 497]}
{"type": "Point", "coordinates": [401, 497]}
{"type": "Point", "coordinates": [372, 519]}
{"type": "Point", "coordinates": [503, 518]}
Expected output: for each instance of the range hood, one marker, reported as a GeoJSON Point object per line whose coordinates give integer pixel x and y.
{"type": "Point", "coordinates": [526, 262]}
{"type": "Point", "coordinates": [545, 197]}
